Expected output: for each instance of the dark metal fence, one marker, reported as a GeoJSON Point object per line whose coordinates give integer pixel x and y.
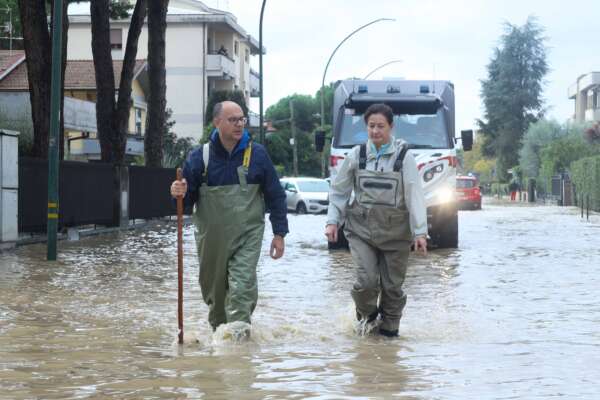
{"type": "Point", "coordinates": [89, 193]}
{"type": "Point", "coordinates": [85, 194]}
{"type": "Point", "coordinates": [149, 195]}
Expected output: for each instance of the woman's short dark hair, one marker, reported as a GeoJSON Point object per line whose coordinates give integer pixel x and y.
{"type": "Point", "coordinates": [380, 108]}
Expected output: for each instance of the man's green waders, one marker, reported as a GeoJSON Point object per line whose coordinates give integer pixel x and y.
{"type": "Point", "coordinates": [230, 223]}
{"type": "Point", "coordinates": [378, 232]}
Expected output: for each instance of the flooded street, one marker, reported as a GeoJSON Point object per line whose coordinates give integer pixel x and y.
{"type": "Point", "coordinates": [514, 313]}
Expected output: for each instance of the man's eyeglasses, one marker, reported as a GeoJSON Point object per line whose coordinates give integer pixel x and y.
{"type": "Point", "coordinates": [237, 120]}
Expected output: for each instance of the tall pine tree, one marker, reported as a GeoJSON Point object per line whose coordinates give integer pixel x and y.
{"type": "Point", "coordinates": [512, 92]}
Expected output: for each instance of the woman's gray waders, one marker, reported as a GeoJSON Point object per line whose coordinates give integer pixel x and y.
{"type": "Point", "coordinates": [378, 231]}
{"type": "Point", "coordinates": [229, 230]}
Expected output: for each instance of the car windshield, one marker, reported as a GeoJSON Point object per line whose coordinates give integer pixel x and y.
{"type": "Point", "coordinates": [313, 186]}
{"type": "Point", "coordinates": [465, 183]}
{"type": "Point", "coordinates": [421, 130]}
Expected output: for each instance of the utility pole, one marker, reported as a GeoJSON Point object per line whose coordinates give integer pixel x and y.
{"type": "Point", "coordinates": [261, 131]}
{"type": "Point", "coordinates": [294, 141]}
{"type": "Point", "coordinates": [54, 140]}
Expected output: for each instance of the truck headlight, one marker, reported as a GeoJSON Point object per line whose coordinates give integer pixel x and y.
{"type": "Point", "coordinates": [445, 194]}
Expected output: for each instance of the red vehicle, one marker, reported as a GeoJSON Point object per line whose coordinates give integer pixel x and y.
{"type": "Point", "coordinates": [468, 193]}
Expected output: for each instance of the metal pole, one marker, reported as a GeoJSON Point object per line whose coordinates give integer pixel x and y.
{"type": "Point", "coordinates": [329, 61]}
{"type": "Point", "coordinates": [587, 209]}
{"type": "Point", "coordinates": [323, 80]}
{"type": "Point", "coordinates": [294, 144]}
{"type": "Point", "coordinates": [261, 72]}
{"type": "Point", "coordinates": [381, 66]}
{"type": "Point", "coordinates": [180, 261]}
{"type": "Point", "coordinates": [54, 140]}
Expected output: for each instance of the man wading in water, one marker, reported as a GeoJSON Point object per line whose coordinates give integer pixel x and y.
{"type": "Point", "coordinates": [229, 180]}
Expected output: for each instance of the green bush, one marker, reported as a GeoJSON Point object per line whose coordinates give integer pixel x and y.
{"type": "Point", "coordinates": [585, 174]}
{"type": "Point", "coordinates": [499, 188]}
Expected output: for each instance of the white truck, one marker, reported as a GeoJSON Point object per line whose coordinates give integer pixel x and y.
{"type": "Point", "coordinates": [424, 117]}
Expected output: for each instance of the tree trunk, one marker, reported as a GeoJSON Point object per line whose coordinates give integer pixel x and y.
{"type": "Point", "coordinates": [121, 120]}
{"type": "Point", "coordinates": [112, 116]}
{"type": "Point", "coordinates": [105, 81]}
{"type": "Point", "coordinates": [157, 27]}
{"type": "Point", "coordinates": [65, 36]}
{"type": "Point", "coordinates": [38, 57]}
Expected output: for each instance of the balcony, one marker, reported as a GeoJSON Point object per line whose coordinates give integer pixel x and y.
{"type": "Point", "coordinates": [592, 114]}
{"type": "Point", "coordinates": [584, 82]}
{"type": "Point", "coordinates": [90, 148]}
{"type": "Point", "coordinates": [254, 83]}
{"type": "Point", "coordinates": [220, 66]}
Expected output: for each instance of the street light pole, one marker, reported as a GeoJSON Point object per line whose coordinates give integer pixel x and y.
{"type": "Point", "coordinates": [325, 73]}
{"type": "Point", "coordinates": [260, 67]}
{"type": "Point", "coordinates": [381, 66]}
{"type": "Point", "coordinates": [54, 140]}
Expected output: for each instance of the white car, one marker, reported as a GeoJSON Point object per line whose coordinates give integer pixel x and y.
{"type": "Point", "coordinates": [306, 194]}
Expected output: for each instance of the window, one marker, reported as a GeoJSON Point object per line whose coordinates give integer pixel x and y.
{"type": "Point", "coordinates": [426, 130]}
{"type": "Point", "coordinates": [236, 47]}
{"type": "Point", "coordinates": [116, 39]}
{"type": "Point", "coordinates": [138, 121]}
{"type": "Point", "coordinates": [247, 55]}
{"type": "Point", "coordinates": [316, 186]}
{"type": "Point", "coordinates": [465, 183]}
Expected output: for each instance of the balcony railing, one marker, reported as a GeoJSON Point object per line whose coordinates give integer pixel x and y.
{"type": "Point", "coordinates": [592, 114]}
{"type": "Point", "coordinates": [585, 82]}
{"type": "Point", "coordinates": [220, 66]}
{"type": "Point", "coordinates": [90, 147]}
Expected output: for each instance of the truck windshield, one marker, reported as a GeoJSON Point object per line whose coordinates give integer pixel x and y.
{"type": "Point", "coordinates": [421, 130]}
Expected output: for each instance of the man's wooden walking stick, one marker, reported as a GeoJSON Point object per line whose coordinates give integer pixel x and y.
{"type": "Point", "coordinates": [180, 260]}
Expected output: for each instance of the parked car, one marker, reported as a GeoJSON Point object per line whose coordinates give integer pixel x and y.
{"type": "Point", "coordinates": [468, 193]}
{"type": "Point", "coordinates": [306, 194]}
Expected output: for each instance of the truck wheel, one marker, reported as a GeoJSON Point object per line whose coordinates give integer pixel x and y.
{"type": "Point", "coordinates": [341, 244]}
{"type": "Point", "coordinates": [447, 237]}
{"type": "Point", "coordinates": [301, 208]}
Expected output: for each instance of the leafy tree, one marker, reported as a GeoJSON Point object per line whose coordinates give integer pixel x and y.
{"type": "Point", "coordinates": [538, 135]}
{"type": "Point", "coordinates": [592, 134]}
{"type": "Point", "coordinates": [37, 41]}
{"type": "Point", "coordinates": [175, 150]}
{"type": "Point", "coordinates": [14, 24]}
{"type": "Point", "coordinates": [305, 110]}
{"type": "Point", "coordinates": [237, 96]}
{"type": "Point", "coordinates": [512, 91]}
{"type": "Point", "coordinates": [475, 162]}
{"type": "Point", "coordinates": [307, 119]}
{"type": "Point", "coordinates": [557, 156]}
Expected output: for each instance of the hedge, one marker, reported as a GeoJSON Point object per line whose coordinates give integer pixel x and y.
{"type": "Point", "coordinates": [585, 174]}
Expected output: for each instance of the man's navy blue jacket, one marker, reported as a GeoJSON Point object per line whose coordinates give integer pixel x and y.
{"type": "Point", "coordinates": [222, 170]}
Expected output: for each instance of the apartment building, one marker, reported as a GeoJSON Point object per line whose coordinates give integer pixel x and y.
{"type": "Point", "coordinates": [206, 50]}
{"type": "Point", "coordinates": [586, 93]}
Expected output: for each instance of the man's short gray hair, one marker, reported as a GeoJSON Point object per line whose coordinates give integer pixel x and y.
{"type": "Point", "coordinates": [217, 110]}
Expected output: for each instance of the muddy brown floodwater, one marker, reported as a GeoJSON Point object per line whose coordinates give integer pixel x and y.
{"type": "Point", "coordinates": [513, 313]}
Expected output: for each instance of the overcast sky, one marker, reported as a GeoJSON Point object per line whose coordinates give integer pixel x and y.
{"type": "Point", "coordinates": [453, 38]}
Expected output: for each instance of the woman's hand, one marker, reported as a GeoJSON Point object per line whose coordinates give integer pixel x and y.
{"type": "Point", "coordinates": [331, 231]}
{"type": "Point", "coordinates": [421, 244]}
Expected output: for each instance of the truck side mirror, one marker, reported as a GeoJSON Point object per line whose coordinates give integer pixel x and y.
{"type": "Point", "coordinates": [467, 139]}
{"type": "Point", "coordinates": [319, 140]}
